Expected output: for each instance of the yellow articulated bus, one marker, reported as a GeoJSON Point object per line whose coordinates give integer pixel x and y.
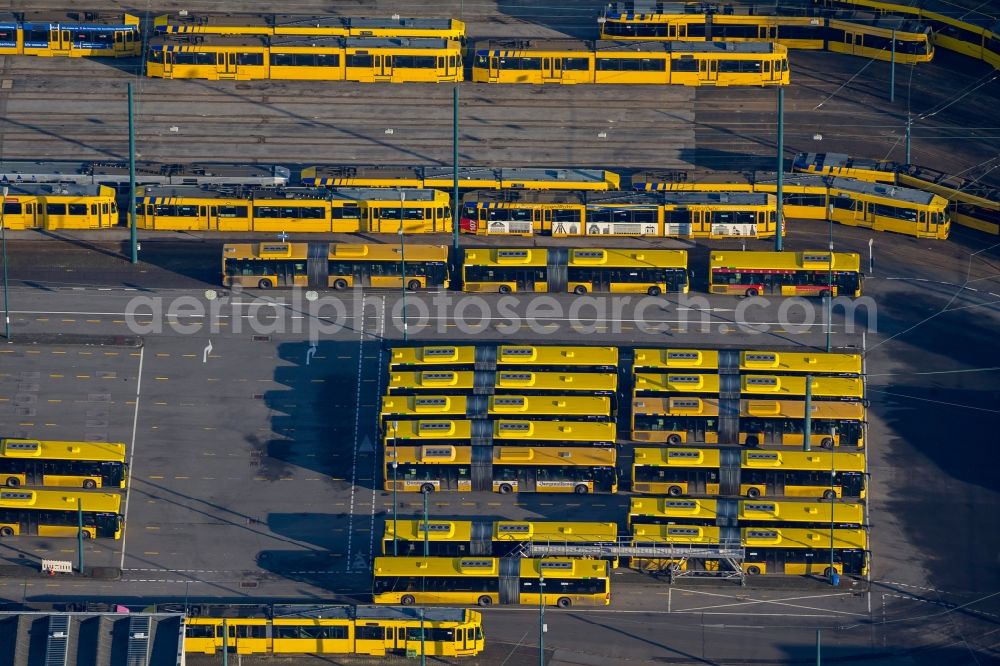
{"type": "Point", "coordinates": [427, 433]}
{"type": "Point", "coordinates": [334, 266]}
{"type": "Point", "coordinates": [745, 512]}
{"type": "Point", "coordinates": [186, 23]}
{"type": "Point", "coordinates": [503, 538]}
{"type": "Point", "coordinates": [501, 382]}
{"type": "Point", "coordinates": [854, 33]}
{"type": "Point", "coordinates": [750, 473]}
{"type": "Point", "coordinates": [297, 57]}
{"type": "Point", "coordinates": [695, 214]}
{"type": "Point", "coordinates": [751, 386]}
{"type": "Point", "coordinates": [528, 407]}
{"type": "Point", "coordinates": [785, 273]}
{"type": "Point", "coordinates": [771, 362]}
{"type": "Point", "coordinates": [292, 210]}
{"type": "Point", "coordinates": [345, 630]}
{"type": "Point", "coordinates": [576, 270]}
{"type": "Point", "coordinates": [491, 580]}
{"type": "Point", "coordinates": [59, 206]}
{"type": "Point", "coordinates": [72, 34]}
{"type": "Point", "coordinates": [443, 178]}
{"type": "Point", "coordinates": [502, 469]}
{"type": "Point", "coordinates": [570, 61]}
{"type": "Point", "coordinates": [54, 513]}
{"type": "Point", "coordinates": [691, 420]}
{"type": "Point", "coordinates": [768, 550]}
{"type": "Point", "coordinates": [32, 462]}
{"type": "Point", "coordinates": [520, 357]}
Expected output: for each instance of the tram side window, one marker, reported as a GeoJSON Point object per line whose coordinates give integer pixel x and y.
{"type": "Point", "coordinates": [576, 64]}
{"type": "Point", "coordinates": [251, 631]}
{"type": "Point", "coordinates": [7, 36]}
{"type": "Point", "coordinates": [233, 211]}
{"type": "Point", "coordinates": [684, 64]}
{"type": "Point", "coordinates": [348, 212]}
{"type": "Point", "coordinates": [155, 56]}
{"type": "Point", "coordinates": [193, 58]}
{"type": "Point", "coordinates": [413, 61]}
{"type": "Point", "coordinates": [199, 630]}
{"type": "Point", "coordinates": [364, 633]}
{"type": "Point", "coordinates": [359, 60]}
{"type": "Point", "coordinates": [55, 209]}
{"type": "Point", "coordinates": [36, 36]}
{"type": "Point", "coordinates": [738, 31]}
{"type": "Point", "coordinates": [482, 61]}
{"type": "Point", "coordinates": [12, 209]}
{"type": "Point", "coordinates": [566, 215]}
{"type": "Point", "coordinates": [740, 66]}
{"type": "Point", "coordinates": [908, 214]}
{"type": "Point", "coordinates": [77, 209]}
{"type": "Point", "coordinates": [309, 631]}
{"type": "Point", "coordinates": [800, 32]}
{"type": "Point", "coordinates": [844, 203]}
{"type": "Point", "coordinates": [249, 59]}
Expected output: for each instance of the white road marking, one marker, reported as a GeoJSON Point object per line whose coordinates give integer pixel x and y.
{"type": "Point", "coordinates": [131, 454]}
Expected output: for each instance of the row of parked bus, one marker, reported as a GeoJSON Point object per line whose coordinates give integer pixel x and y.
{"type": "Point", "coordinates": [52, 488]}
{"type": "Point", "coordinates": [526, 270]}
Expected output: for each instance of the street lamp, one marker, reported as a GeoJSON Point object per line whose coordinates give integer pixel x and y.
{"type": "Point", "coordinates": [395, 481]}
{"type": "Point", "coordinates": [402, 256]}
{"type": "Point", "coordinates": [3, 235]}
{"type": "Point", "coordinates": [829, 285]}
{"type": "Point", "coordinates": [541, 617]}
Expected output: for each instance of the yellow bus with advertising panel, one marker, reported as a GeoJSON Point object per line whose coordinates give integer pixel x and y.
{"type": "Point", "coordinates": [54, 513]}
{"type": "Point", "coordinates": [570, 61]}
{"type": "Point", "coordinates": [187, 23]}
{"type": "Point", "coordinates": [59, 206]}
{"type": "Point", "coordinates": [323, 630]}
{"type": "Point", "coordinates": [71, 34]}
{"type": "Point", "coordinates": [443, 178]}
{"type": "Point", "coordinates": [427, 432]}
{"type": "Point", "coordinates": [576, 270]}
{"type": "Point", "coordinates": [768, 550]}
{"type": "Point", "coordinates": [32, 462]}
{"type": "Point", "coordinates": [756, 386]}
{"type": "Point", "coordinates": [522, 357]}
{"type": "Point", "coordinates": [334, 265]}
{"type": "Point", "coordinates": [750, 273]}
{"type": "Point", "coordinates": [531, 407]}
{"type": "Point", "coordinates": [502, 469]}
{"type": "Point", "coordinates": [694, 420]}
{"type": "Point", "coordinates": [491, 580]}
{"type": "Point", "coordinates": [745, 512]}
{"type": "Point", "coordinates": [501, 382]}
{"type": "Point", "coordinates": [501, 538]}
{"type": "Point", "coordinates": [751, 473]}
{"type": "Point", "coordinates": [772, 362]}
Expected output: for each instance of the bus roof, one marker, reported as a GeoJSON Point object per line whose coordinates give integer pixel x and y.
{"type": "Point", "coordinates": [458, 406]}
{"type": "Point", "coordinates": [509, 179]}
{"type": "Point", "coordinates": [809, 260]}
{"type": "Point", "coordinates": [561, 431]}
{"type": "Point", "coordinates": [752, 459]}
{"type": "Point", "coordinates": [593, 456]}
{"type": "Point", "coordinates": [751, 537]}
{"type": "Point", "coordinates": [515, 47]}
{"type": "Point", "coordinates": [59, 500]}
{"type": "Point", "coordinates": [488, 566]}
{"type": "Point", "coordinates": [57, 450]}
{"type": "Point", "coordinates": [777, 386]}
{"type": "Point", "coordinates": [788, 409]}
{"type": "Point", "coordinates": [748, 509]}
{"type": "Point", "coordinates": [335, 251]}
{"type": "Point", "coordinates": [514, 380]}
{"type": "Point", "coordinates": [505, 530]}
{"type": "Point", "coordinates": [815, 363]}
{"type": "Point", "coordinates": [883, 190]}
{"type": "Point", "coordinates": [558, 356]}
{"type": "Point", "coordinates": [16, 189]}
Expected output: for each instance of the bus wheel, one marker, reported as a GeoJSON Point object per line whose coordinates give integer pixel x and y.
{"type": "Point", "coordinates": [654, 291]}
{"type": "Point", "coordinates": [13, 482]}
{"type": "Point", "coordinates": [407, 600]}
{"type": "Point", "coordinates": [828, 572]}
{"type": "Point", "coordinates": [427, 488]}
{"type": "Point", "coordinates": [579, 290]}
{"type": "Point", "coordinates": [829, 494]}
{"type": "Point", "coordinates": [6, 531]}
{"type": "Point", "coordinates": [564, 602]}
{"type": "Point", "coordinates": [827, 443]}
{"type": "Point", "coordinates": [752, 292]}
{"type": "Point", "coordinates": [674, 491]}
{"type": "Point", "coordinates": [753, 570]}
{"type": "Point", "coordinates": [265, 284]}
{"type": "Point", "coordinates": [825, 293]}
{"type": "Point", "coordinates": [90, 483]}
{"type": "Point", "coordinates": [87, 535]}
{"type": "Point", "coordinates": [506, 489]}
{"type": "Point", "coordinates": [580, 489]}
{"type": "Point", "coordinates": [413, 285]}
{"type": "Point", "coordinates": [485, 600]}
{"type": "Point", "coordinates": [340, 283]}
{"type": "Point", "coordinates": [504, 289]}
{"type": "Point", "coordinates": [753, 493]}
{"type": "Point", "coordinates": [673, 439]}
{"type": "Point", "coordinates": [752, 440]}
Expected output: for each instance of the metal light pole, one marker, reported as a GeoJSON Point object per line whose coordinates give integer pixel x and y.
{"type": "Point", "coordinates": [427, 543]}
{"type": "Point", "coordinates": [909, 126]}
{"type": "Point", "coordinates": [818, 657]}
{"type": "Point", "coordinates": [833, 500]}
{"type": "Point", "coordinates": [454, 170]}
{"type": "Point", "coordinates": [133, 243]}
{"type": "Point", "coordinates": [829, 285]}
{"type": "Point", "coordinates": [402, 255]}
{"type": "Point", "coordinates": [395, 481]}
{"type": "Point", "coordinates": [3, 235]}
{"type": "Point", "coordinates": [423, 652]}
{"type": "Point", "coordinates": [779, 223]}
{"type": "Point", "coordinates": [79, 533]}
{"type": "Point", "coordinates": [807, 421]}
{"type": "Point", "coordinates": [541, 619]}
{"type": "Point", "coordinates": [892, 70]}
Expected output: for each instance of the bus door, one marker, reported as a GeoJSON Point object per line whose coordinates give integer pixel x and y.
{"type": "Point", "coordinates": [766, 33]}
{"type": "Point", "coordinates": [551, 70]}
{"type": "Point", "coordinates": [226, 65]}
{"type": "Point", "coordinates": [285, 272]}
{"type": "Point", "coordinates": [123, 41]}
{"type": "Point", "coordinates": [451, 70]}
{"type": "Point", "coordinates": [383, 68]}
{"type": "Point", "coordinates": [708, 70]}
{"type": "Point", "coordinates": [853, 42]}
{"type": "Point", "coordinates": [867, 217]}
{"type": "Point", "coordinates": [494, 69]}
{"type": "Point", "coordinates": [60, 40]}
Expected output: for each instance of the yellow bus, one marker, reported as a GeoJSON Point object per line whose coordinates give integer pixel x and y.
{"type": "Point", "coordinates": [508, 357]}
{"type": "Point", "coordinates": [768, 550]}
{"type": "Point", "coordinates": [502, 469]}
{"type": "Point", "coordinates": [426, 432]}
{"type": "Point", "coordinates": [785, 273]}
{"type": "Point", "coordinates": [576, 270]}
{"type": "Point", "coordinates": [187, 23]}
{"type": "Point", "coordinates": [354, 630]}
{"type": "Point", "coordinates": [755, 386]}
{"type": "Point", "coordinates": [750, 473]}
{"type": "Point", "coordinates": [771, 362]}
{"type": "Point", "coordinates": [32, 462]}
{"type": "Point", "coordinates": [531, 407]}
{"type": "Point", "coordinates": [334, 265]}
{"type": "Point", "coordinates": [694, 420]}
{"type": "Point", "coordinates": [745, 512]}
{"type": "Point", "coordinates": [490, 580]}
{"type": "Point", "coordinates": [61, 206]}
{"type": "Point", "coordinates": [502, 538]}
{"type": "Point", "coordinates": [518, 382]}
{"type": "Point", "coordinates": [54, 513]}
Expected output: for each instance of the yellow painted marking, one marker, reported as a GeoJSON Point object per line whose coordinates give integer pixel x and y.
{"type": "Point", "coordinates": [189, 355]}
{"type": "Point", "coordinates": [50, 424]}
{"type": "Point", "coordinates": [41, 318]}
{"type": "Point", "coordinates": [69, 321]}
{"type": "Point", "coordinates": [162, 354]}
{"type": "Point", "coordinates": [85, 353]}
{"type": "Point", "coordinates": [159, 403]}
{"type": "Point", "coordinates": [111, 353]}
{"type": "Point", "coordinates": [182, 477]}
{"type": "Point", "coordinates": [93, 321]}
{"type": "Point", "coordinates": [55, 400]}
{"type": "Point", "coordinates": [58, 352]}
{"type": "Point", "coordinates": [83, 376]}
{"type": "Point", "coordinates": [32, 352]}
{"type": "Point", "coordinates": [161, 378]}
{"type": "Point", "coordinates": [56, 376]}
{"type": "Point", "coordinates": [117, 321]}
{"type": "Point", "coordinates": [156, 476]}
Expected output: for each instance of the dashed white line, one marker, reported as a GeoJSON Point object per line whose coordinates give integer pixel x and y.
{"type": "Point", "coordinates": [131, 454]}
